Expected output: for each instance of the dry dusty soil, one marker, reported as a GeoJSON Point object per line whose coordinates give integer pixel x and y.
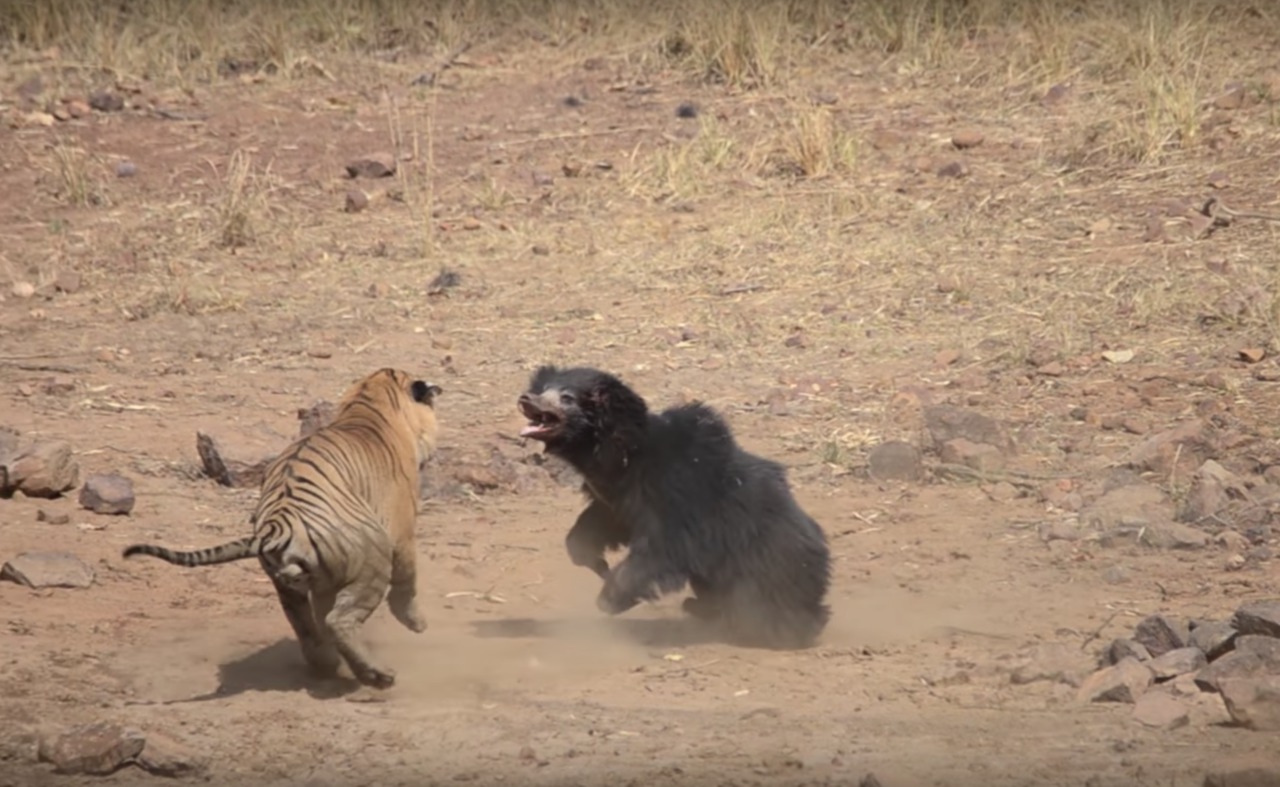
{"type": "Point", "coordinates": [194, 270]}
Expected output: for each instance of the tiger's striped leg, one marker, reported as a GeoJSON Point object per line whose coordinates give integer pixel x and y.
{"type": "Point", "coordinates": [318, 649]}
{"type": "Point", "coordinates": [403, 599]}
{"type": "Point", "coordinates": [351, 608]}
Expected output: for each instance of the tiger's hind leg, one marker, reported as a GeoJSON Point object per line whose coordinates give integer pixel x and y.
{"type": "Point", "coordinates": [318, 648]}
{"type": "Point", "coordinates": [352, 606]}
{"type": "Point", "coordinates": [403, 598]}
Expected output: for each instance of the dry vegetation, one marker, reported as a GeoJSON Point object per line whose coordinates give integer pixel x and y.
{"type": "Point", "coordinates": [760, 204]}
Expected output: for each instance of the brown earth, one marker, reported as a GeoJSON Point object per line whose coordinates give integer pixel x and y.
{"type": "Point", "coordinates": [817, 305]}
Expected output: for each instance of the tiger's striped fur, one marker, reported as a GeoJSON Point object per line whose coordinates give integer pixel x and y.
{"type": "Point", "coordinates": [334, 524]}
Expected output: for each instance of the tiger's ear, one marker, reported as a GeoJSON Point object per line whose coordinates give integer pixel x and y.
{"type": "Point", "coordinates": [424, 393]}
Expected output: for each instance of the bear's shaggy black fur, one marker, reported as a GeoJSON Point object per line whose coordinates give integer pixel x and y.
{"type": "Point", "coordinates": [691, 505]}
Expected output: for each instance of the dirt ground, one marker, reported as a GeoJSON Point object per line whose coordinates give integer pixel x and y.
{"type": "Point", "coordinates": [819, 298]}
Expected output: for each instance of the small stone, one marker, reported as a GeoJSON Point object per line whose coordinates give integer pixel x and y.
{"type": "Point", "coordinates": [1001, 491]}
{"type": "Point", "coordinates": [1245, 777]}
{"type": "Point", "coordinates": [356, 201]}
{"type": "Point", "coordinates": [1258, 617]}
{"type": "Point", "coordinates": [1233, 98]}
{"type": "Point", "coordinates": [106, 101]}
{"type": "Point", "coordinates": [45, 470]}
{"type": "Point", "coordinates": [126, 169]}
{"type": "Point", "coordinates": [48, 570]}
{"type": "Point", "coordinates": [23, 289]}
{"type": "Point", "coordinates": [52, 519]}
{"type": "Point", "coordinates": [107, 493]}
{"type": "Point", "coordinates": [1052, 369]}
{"type": "Point", "coordinates": [1161, 711]}
{"type": "Point", "coordinates": [373, 165]}
{"type": "Point", "coordinates": [78, 109]}
{"type": "Point", "coordinates": [1254, 702]}
{"type": "Point", "coordinates": [1059, 530]}
{"type": "Point", "coordinates": [1178, 661]}
{"type": "Point", "coordinates": [1124, 681]}
{"type": "Point", "coordinates": [1116, 575]}
{"type": "Point", "coordinates": [1122, 649]}
{"type": "Point", "coordinates": [1215, 638]}
{"type": "Point", "coordinates": [946, 358]}
{"type": "Point", "coordinates": [952, 169]}
{"type": "Point", "coordinates": [895, 460]}
{"type": "Point", "coordinates": [1161, 634]}
{"type": "Point", "coordinates": [687, 110]}
{"type": "Point", "coordinates": [165, 756]}
{"type": "Point", "coordinates": [471, 224]}
{"type": "Point", "coordinates": [1219, 179]}
{"type": "Point", "coordinates": [947, 422]}
{"type": "Point", "coordinates": [1174, 535]}
{"type": "Point", "coordinates": [1252, 354]}
{"type": "Point", "coordinates": [982, 457]}
{"type": "Point", "coordinates": [540, 250]}
{"type": "Point", "coordinates": [67, 281]}
{"type": "Point", "coordinates": [967, 138]}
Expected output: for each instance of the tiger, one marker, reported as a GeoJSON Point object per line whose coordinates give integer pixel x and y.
{"type": "Point", "coordinates": [334, 524]}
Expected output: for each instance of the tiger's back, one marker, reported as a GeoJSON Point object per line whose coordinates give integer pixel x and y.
{"type": "Point", "coordinates": [334, 523]}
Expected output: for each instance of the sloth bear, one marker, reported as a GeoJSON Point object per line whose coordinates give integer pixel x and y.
{"type": "Point", "coordinates": [691, 505]}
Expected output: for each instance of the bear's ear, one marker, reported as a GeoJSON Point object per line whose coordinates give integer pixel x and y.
{"type": "Point", "coordinates": [541, 376]}
{"type": "Point", "coordinates": [615, 405]}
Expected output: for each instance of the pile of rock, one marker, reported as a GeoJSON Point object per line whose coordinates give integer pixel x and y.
{"type": "Point", "coordinates": [1167, 660]}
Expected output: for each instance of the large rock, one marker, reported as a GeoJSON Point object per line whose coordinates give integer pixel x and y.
{"type": "Point", "coordinates": [45, 470]}
{"type": "Point", "coordinates": [1253, 702]}
{"type": "Point", "coordinates": [1253, 656]}
{"type": "Point", "coordinates": [48, 570]}
{"type": "Point", "coordinates": [1123, 682]}
{"type": "Point", "coordinates": [946, 423]}
{"type": "Point", "coordinates": [895, 460]}
{"type": "Point", "coordinates": [1162, 711]}
{"type": "Point", "coordinates": [1160, 634]}
{"type": "Point", "coordinates": [1053, 662]}
{"type": "Point", "coordinates": [1180, 449]}
{"type": "Point", "coordinates": [1131, 507]}
{"type": "Point", "coordinates": [1258, 617]}
{"type": "Point", "coordinates": [1216, 638]}
{"type": "Point", "coordinates": [1178, 661]}
{"type": "Point", "coordinates": [1213, 488]}
{"type": "Point", "coordinates": [107, 493]}
{"type": "Point", "coordinates": [99, 749]}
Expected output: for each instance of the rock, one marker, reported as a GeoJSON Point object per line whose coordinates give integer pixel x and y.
{"type": "Point", "coordinates": [1258, 617]}
{"type": "Point", "coordinates": [106, 101]}
{"type": "Point", "coordinates": [1115, 575]}
{"type": "Point", "coordinates": [1053, 662]}
{"type": "Point", "coordinates": [1183, 447]}
{"type": "Point", "coordinates": [1159, 710]}
{"type": "Point", "coordinates": [946, 423]}
{"type": "Point", "coordinates": [1127, 509]}
{"type": "Point", "coordinates": [356, 201]}
{"type": "Point", "coordinates": [952, 169]}
{"type": "Point", "coordinates": [1124, 681]}
{"type": "Point", "coordinates": [67, 282]}
{"type": "Point", "coordinates": [1121, 649]}
{"type": "Point", "coordinates": [1254, 702]}
{"type": "Point", "coordinates": [1213, 488]}
{"type": "Point", "coordinates": [1178, 661]}
{"type": "Point", "coordinates": [1160, 634]}
{"type": "Point", "coordinates": [165, 756]}
{"type": "Point", "coordinates": [107, 493]}
{"type": "Point", "coordinates": [53, 519]}
{"type": "Point", "coordinates": [1173, 535]}
{"type": "Point", "coordinates": [48, 570]}
{"type": "Point", "coordinates": [99, 749]}
{"type": "Point", "coordinates": [967, 138]}
{"type": "Point", "coordinates": [1214, 639]}
{"type": "Point", "coordinates": [78, 109]}
{"type": "Point", "coordinates": [126, 169]}
{"type": "Point", "coordinates": [44, 470]}
{"type": "Point", "coordinates": [1245, 777]}
{"type": "Point", "coordinates": [373, 165]}
{"type": "Point", "coordinates": [895, 460]}
{"type": "Point", "coordinates": [1254, 655]}
{"type": "Point", "coordinates": [982, 457]}
{"type": "Point", "coordinates": [1066, 529]}
{"type": "Point", "coordinates": [23, 289]}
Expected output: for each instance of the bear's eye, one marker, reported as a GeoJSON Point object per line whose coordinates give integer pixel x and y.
{"type": "Point", "coordinates": [567, 399]}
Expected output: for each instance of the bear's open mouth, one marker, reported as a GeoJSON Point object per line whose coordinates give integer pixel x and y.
{"type": "Point", "coordinates": [542, 423]}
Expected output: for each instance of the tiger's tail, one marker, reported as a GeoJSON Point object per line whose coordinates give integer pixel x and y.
{"type": "Point", "coordinates": [224, 553]}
